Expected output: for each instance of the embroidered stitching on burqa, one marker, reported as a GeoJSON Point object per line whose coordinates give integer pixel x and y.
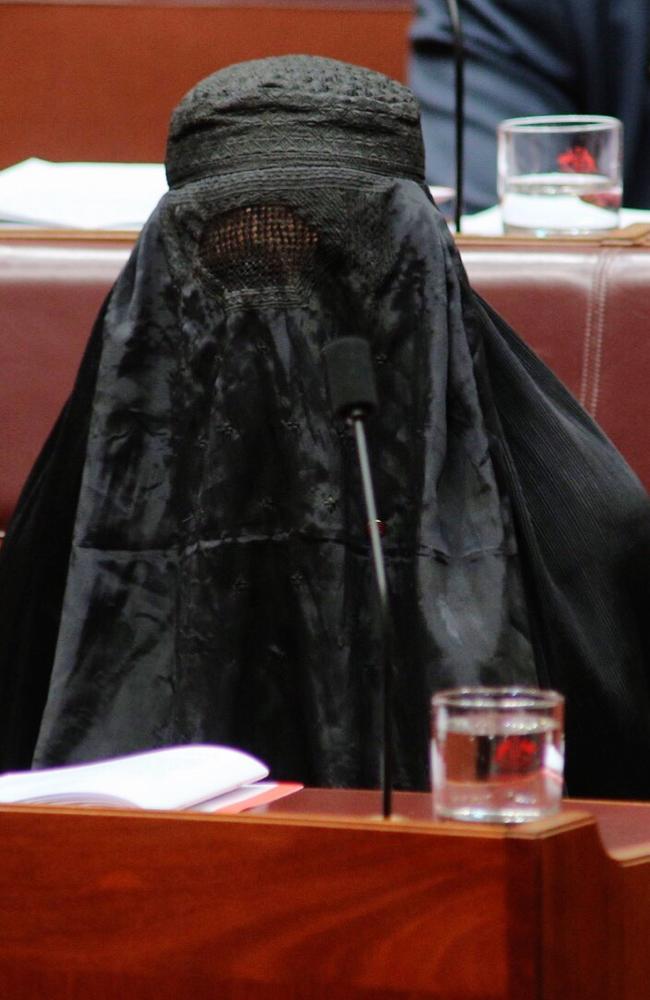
{"type": "Point", "coordinates": [189, 559]}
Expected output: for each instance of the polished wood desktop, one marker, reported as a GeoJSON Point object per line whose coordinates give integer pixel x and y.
{"type": "Point", "coordinates": [317, 897]}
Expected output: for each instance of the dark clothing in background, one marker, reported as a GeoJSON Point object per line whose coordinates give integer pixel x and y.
{"type": "Point", "coordinates": [532, 57]}
{"type": "Point", "coordinates": [189, 561]}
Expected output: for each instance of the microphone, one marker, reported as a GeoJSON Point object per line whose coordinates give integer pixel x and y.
{"type": "Point", "coordinates": [350, 377]}
{"type": "Point", "coordinates": [459, 113]}
{"type": "Point", "coordinates": [353, 397]}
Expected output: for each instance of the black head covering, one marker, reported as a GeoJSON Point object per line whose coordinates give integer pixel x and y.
{"type": "Point", "coordinates": [209, 575]}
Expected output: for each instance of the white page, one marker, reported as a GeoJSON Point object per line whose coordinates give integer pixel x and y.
{"type": "Point", "coordinates": [260, 793]}
{"type": "Point", "coordinates": [171, 778]}
{"type": "Point", "coordinates": [238, 795]}
{"type": "Point", "coordinates": [81, 195]}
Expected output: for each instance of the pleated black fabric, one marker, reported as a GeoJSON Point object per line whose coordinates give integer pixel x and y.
{"type": "Point", "coordinates": [190, 562]}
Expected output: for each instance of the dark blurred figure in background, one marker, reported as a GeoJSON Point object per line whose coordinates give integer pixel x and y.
{"type": "Point", "coordinates": [532, 57]}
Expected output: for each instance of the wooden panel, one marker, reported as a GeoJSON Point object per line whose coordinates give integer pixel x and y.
{"type": "Point", "coordinates": [90, 82]}
{"type": "Point", "coordinates": [579, 949]}
{"type": "Point", "coordinates": [208, 908]}
{"type": "Point", "coordinates": [154, 906]}
{"type": "Point", "coordinates": [327, 5]}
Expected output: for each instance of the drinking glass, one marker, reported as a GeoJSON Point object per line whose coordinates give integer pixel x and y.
{"type": "Point", "coordinates": [560, 175]}
{"type": "Point", "coordinates": [497, 754]}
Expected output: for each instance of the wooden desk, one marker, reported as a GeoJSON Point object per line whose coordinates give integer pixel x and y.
{"type": "Point", "coordinates": [317, 898]}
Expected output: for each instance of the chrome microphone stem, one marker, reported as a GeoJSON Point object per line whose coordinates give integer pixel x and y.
{"type": "Point", "coordinates": [357, 420]}
{"type": "Point", "coordinates": [371, 510]}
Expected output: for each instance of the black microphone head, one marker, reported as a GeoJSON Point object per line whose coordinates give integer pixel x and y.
{"type": "Point", "coordinates": [350, 376]}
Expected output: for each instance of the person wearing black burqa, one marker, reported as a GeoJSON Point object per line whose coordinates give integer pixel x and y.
{"type": "Point", "coordinates": [189, 560]}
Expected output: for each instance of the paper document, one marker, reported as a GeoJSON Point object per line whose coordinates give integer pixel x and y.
{"type": "Point", "coordinates": [248, 797]}
{"type": "Point", "coordinates": [172, 778]}
{"type": "Point", "coordinates": [81, 195]}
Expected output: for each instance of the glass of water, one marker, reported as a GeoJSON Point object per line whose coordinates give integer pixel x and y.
{"type": "Point", "coordinates": [560, 175]}
{"type": "Point", "coordinates": [497, 754]}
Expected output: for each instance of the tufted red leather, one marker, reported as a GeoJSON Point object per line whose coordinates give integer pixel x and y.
{"type": "Point", "coordinates": [49, 296]}
{"type": "Point", "coordinates": [585, 308]}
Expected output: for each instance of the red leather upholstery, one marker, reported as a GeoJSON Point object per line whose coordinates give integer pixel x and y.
{"type": "Point", "coordinates": [49, 296]}
{"type": "Point", "coordinates": [584, 308]}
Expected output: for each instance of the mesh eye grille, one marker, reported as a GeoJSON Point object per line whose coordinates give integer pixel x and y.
{"type": "Point", "coordinates": [261, 247]}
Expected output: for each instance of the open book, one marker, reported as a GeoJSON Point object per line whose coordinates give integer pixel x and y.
{"type": "Point", "coordinates": [195, 777]}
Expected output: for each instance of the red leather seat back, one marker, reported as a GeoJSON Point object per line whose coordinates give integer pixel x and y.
{"type": "Point", "coordinates": [49, 297]}
{"type": "Point", "coordinates": [584, 308]}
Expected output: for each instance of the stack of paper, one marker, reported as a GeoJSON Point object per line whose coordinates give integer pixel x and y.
{"type": "Point", "coordinates": [80, 195]}
{"type": "Point", "coordinates": [196, 777]}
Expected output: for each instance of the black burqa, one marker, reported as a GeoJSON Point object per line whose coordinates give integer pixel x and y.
{"type": "Point", "coordinates": [189, 559]}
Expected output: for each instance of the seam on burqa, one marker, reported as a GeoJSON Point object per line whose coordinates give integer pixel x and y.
{"type": "Point", "coordinates": [594, 335]}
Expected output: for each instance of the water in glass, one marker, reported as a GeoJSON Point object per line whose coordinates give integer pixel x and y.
{"type": "Point", "coordinates": [496, 767]}
{"type": "Point", "coordinates": [559, 204]}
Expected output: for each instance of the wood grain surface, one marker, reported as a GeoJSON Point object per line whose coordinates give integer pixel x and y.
{"type": "Point", "coordinates": [88, 81]}
{"type": "Point", "coordinates": [107, 904]}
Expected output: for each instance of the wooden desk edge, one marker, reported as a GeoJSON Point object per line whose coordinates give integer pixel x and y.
{"type": "Point", "coordinates": [541, 829]}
